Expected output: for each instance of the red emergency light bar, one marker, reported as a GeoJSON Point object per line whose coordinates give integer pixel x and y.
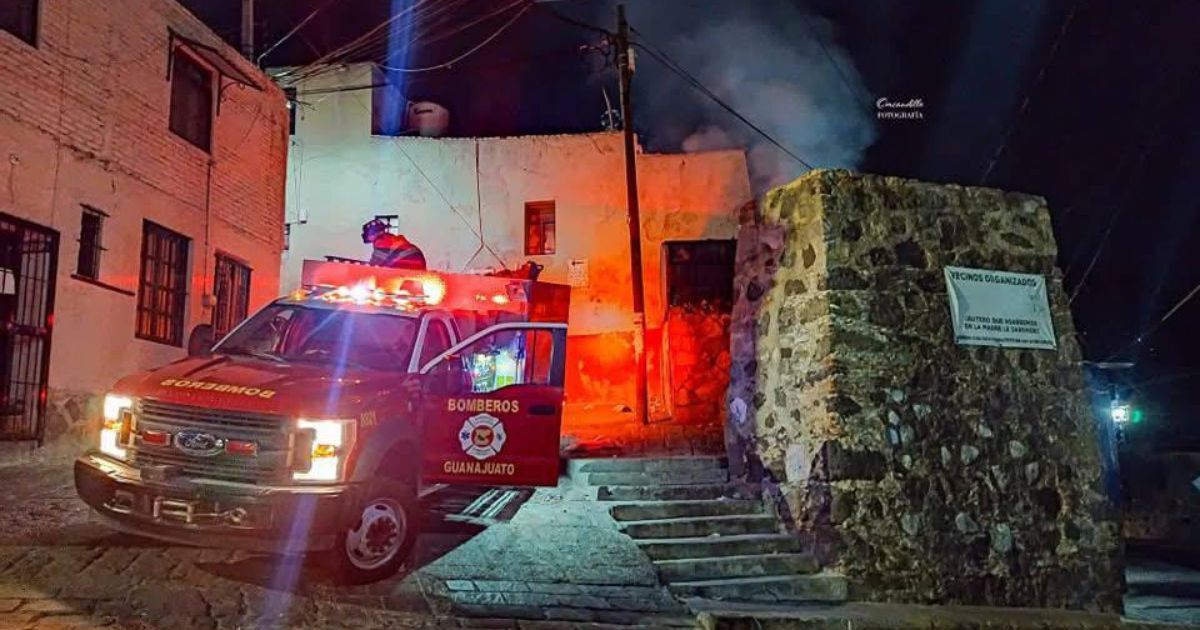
{"type": "Point", "coordinates": [403, 289]}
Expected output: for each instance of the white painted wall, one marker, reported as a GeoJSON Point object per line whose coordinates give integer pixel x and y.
{"type": "Point", "coordinates": [339, 176]}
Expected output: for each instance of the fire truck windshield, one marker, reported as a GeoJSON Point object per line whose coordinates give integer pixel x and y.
{"type": "Point", "coordinates": [294, 332]}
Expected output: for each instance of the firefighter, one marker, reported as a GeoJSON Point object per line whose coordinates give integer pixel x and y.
{"type": "Point", "coordinates": [391, 250]}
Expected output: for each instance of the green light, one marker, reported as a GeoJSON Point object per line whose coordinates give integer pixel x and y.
{"type": "Point", "coordinates": [1136, 416]}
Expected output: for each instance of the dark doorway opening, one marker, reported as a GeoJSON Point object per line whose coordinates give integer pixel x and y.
{"type": "Point", "coordinates": [699, 293]}
{"type": "Point", "coordinates": [28, 267]}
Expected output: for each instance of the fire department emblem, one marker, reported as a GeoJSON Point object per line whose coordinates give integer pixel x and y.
{"type": "Point", "coordinates": [482, 436]}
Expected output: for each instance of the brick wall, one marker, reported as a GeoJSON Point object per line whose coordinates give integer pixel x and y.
{"type": "Point", "coordinates": [84, 120]}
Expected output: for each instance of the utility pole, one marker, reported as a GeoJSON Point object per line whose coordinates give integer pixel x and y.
{"type": "Point", "coordinates": [248, 29]}
{"type": "Point", "coordinates": [625, 67]}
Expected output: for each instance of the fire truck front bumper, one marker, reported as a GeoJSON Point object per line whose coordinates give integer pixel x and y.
{"type": "Point", "coordinates": [206, 513]}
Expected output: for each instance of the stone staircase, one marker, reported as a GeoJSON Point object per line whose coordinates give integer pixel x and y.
{"type": "Point", "coordinates": [709, 539]}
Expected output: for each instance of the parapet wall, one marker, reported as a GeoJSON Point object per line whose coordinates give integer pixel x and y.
{"type": "Point", "coordinates": [924, 470]}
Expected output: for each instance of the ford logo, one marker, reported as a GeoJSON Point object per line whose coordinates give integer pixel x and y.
{"type": "Point", "coordinates": [199, 444]}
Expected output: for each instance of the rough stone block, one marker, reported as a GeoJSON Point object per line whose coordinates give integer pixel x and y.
{"type": "Point", "coordinates": [905, 457]}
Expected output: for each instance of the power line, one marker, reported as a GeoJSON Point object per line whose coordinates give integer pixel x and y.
{"type": "Point", "coordinates": [258, 60]}
{"type": "Point", "coordinates": [1012, 125]}
{"type": "Point", "coordinates": [837, 68]}
{"type": "Point", "coordinates": [467, 53]}
{"type": "Point", "coordinates": [438, 31]}
{"type": "Point", "coordinates": [1162, 320]}
{"type": "Point", "coordinates": [1163, 100]}
{"type": "Point", "coordinates": [465, 220]}
{"type": "Point", "coordinates": [431, 21]}
{"type": "Point", "coordinates": [339, 52]}
{"type": "Point", "coordinates": [670, 64]}
{"type": "Point", "coordinates": [541, 6]}
{"type": "Point", "coordinates": [379, 37]}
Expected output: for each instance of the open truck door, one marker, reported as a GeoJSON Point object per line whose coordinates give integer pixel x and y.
{"type": "Point", "coordinates": [493, 407]}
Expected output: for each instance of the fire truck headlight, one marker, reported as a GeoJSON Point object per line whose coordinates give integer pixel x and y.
{"type": "Point", "coordinates": [321, 449]}
{"type": "Point", "coordinates": [114, 433]}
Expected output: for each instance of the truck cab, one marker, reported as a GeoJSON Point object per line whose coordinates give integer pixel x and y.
{"type": "Point", "coordinates": [315, 424]}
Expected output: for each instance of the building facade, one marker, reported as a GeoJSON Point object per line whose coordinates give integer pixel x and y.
{"type": "Point", "coordinates": [142, 167]}
{"type": "Point", "coordinates": [474, 204]}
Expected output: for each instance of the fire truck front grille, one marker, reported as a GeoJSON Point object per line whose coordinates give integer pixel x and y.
{"type": "Point", "coordinates": [269, 432]}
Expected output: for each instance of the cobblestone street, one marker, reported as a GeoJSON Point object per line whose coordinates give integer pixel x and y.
{"type": "Point", "coordinates": [61, 569]}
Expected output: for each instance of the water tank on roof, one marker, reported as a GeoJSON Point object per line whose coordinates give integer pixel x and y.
{"type": "Point", "coordinates": [428, 119]}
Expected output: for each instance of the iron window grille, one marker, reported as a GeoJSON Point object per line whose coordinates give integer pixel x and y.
{"type": "Point", "coordinates": [91, 243]}
{"type": "Point", "coordinates": [700, 273]}
{"type": "Point", "coordinates": [20, 17]}
{"type": "Point", "coordinates": [539, 228]}
{"type": "Point", "coordinates": [162, 285]}
{"type": "Point", "coordinates": [191, 101]}
{"type": "Point", "coordinates": [232, 291]}
{"type": "Point", "coordinates": [28, 269]}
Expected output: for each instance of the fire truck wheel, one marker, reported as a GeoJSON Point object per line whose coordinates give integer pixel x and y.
{"type": "Point", "coordinates": [378, 543]}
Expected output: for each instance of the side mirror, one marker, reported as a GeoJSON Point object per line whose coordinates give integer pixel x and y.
{"type": "Point", "coordinates": [200, 342]}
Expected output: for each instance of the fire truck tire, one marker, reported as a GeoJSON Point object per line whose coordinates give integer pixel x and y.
{"type": "Point", "coordinates": [378, 541]}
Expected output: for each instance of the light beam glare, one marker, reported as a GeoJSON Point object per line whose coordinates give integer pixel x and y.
{"type": "Point", "coordinates": [400, 36]}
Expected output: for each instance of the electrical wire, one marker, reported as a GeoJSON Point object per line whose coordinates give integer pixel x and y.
{"type": "Point", "coordinates": [465, 220]}
{"type": "Point", "coordinates": [572, 21]}
{"type": "Point", "coordinates": [837, 68]}
{"type": "Point", "coordinates": [1162, 320]}
{"type": "Point", "coordinates": [423, 23]}
{"type": "Point", "coordinates": [258, 60]}
{"type": "Point", "coordinates": [671, 65]}
{"type": "Point", "coordinates": [1012, 125]}
{"type": "Point", "coordinates": [1130, 179]}
{"type": "Point", "coordinates": [428, 38]}
{"type": "Point", "coordinates": [467, 53]}
{"type": "Point", "coordinates": [341, 51]}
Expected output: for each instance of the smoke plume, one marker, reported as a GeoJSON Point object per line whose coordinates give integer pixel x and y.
{"type": "Point", "coordinates": [764, 58]}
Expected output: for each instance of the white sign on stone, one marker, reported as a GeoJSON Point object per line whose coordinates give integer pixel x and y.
{"type": "Point", "coordinates": [999, 308]}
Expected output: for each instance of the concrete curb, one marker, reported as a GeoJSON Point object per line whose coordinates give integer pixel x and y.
{"type": "Point", "coordinates": [868, 616]}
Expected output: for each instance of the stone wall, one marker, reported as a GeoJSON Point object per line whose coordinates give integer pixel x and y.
{"type": "Point", "coordinates": [924, 470]}
{"type": "Point", "coordinates": [698, 362]}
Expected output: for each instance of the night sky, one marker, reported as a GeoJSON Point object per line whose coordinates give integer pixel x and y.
{"type": "Point", "coordinates": [1099, 117]}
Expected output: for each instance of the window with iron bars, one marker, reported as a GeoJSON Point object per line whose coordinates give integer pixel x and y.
{"type": "Point", "coordinates": [232, 292]}
{"type": "Point", "coordinates": [539, 228]}
{"type": "Point", "coordinates": [162, 285]}
{"type": "Point", "coordinates": [700, 273]}
{"type": "Point", "coordinates": [91, 243]}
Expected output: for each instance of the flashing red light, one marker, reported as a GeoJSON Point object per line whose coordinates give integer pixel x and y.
{"type": "Point", "coordinates": [241, 447]}
{"type": "Point", "coordinates": [156, 438]}
{"type": "Point", "coordinates": [409, 290]}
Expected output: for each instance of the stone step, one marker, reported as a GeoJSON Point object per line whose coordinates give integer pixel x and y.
{"type": "Point", "coordinates": [717, 546]}
{"type": "Point", "coordinates": [653, 492]}
{"type": "Point", "coordinates": [756, 565]}
{"type": "Point", "coordinates": [666, 477]}
{"type": "Point", "coordinates": [702, 526]}
{"type": "Point", "coordinates": [684, 509]}
{"type": "Point", "coordinates": [824, 588]}
{"type": "Point", "coordinates": [576, 467]}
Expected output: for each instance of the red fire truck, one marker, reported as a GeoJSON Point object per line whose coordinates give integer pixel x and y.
{"type": "Point", "coordinates": [315, 425]}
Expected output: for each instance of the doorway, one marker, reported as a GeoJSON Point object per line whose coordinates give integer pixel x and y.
{"type": "Point", "coordinates": [28, 268]}
{"type": "Point", "coordinates": [699, 292]}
